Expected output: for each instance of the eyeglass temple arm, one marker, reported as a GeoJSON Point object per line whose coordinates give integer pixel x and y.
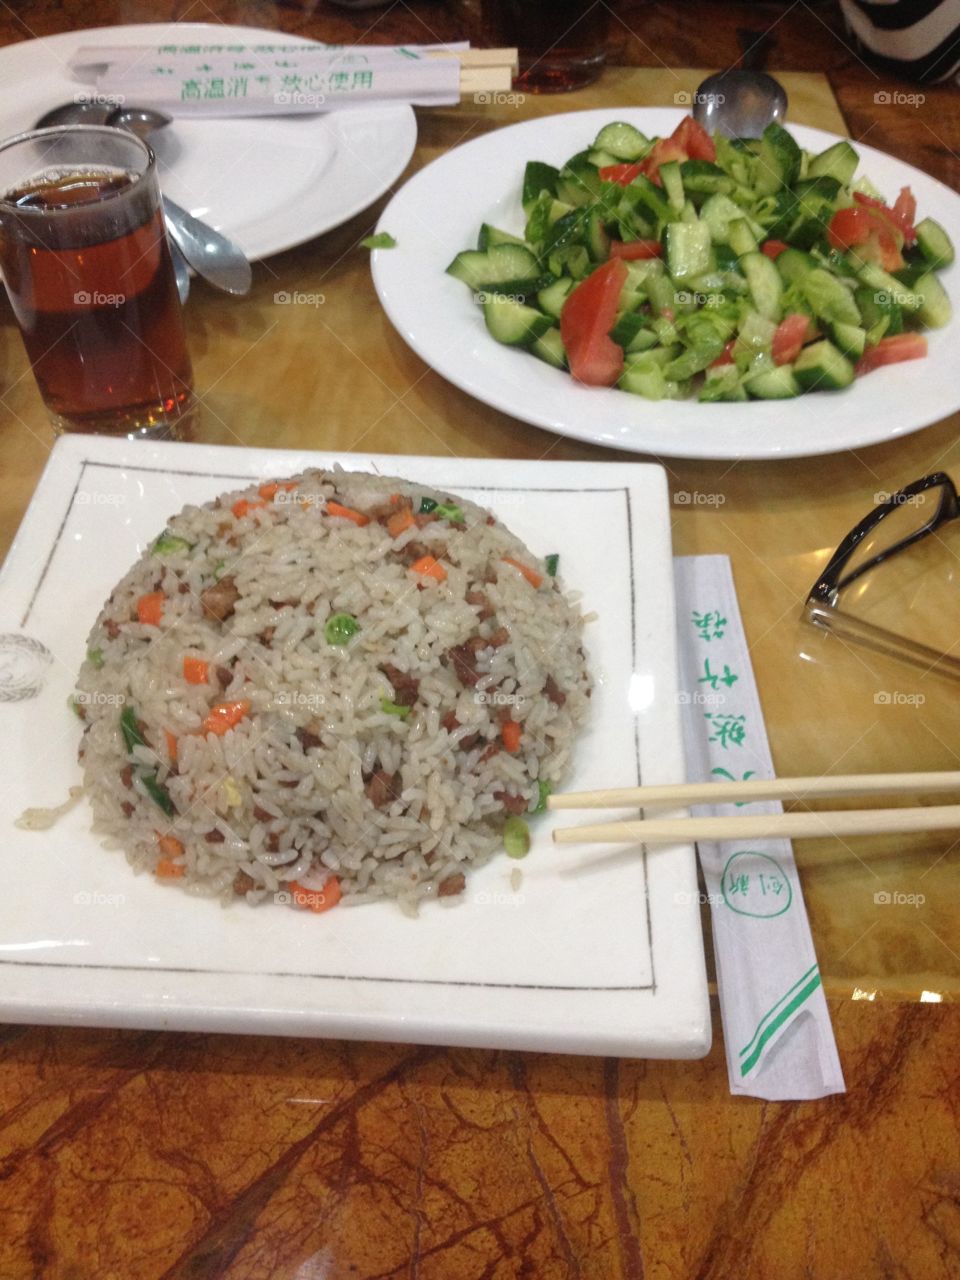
{"type": "Point", "coordinates": [829, 581]}
{"type": "Point", "coordinates": [881, 641]}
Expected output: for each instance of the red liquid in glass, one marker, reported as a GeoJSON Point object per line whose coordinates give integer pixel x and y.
{"type": "Point", "coordinates": [96, 301]}
{"type": "Point", "coordinates": [561, 44]}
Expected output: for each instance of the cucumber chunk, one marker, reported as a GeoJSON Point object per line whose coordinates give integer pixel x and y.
{"type": "Point", "coordinates": [672, 181]}
{"type": "Point", "coordinates": [650, 198]}
{"type": "Point", "coordinates": [549, 348]}
{"type": "Point", "coordinates": [598, 241]}
{"type": "Point", "coordinates": [648, 380]}
{"type": "Point", "coordinates": [883, 282]}
{"type": "Point", "coordinates": [513, 323]}
{"type": "Point", "coordinates": [794, 264]}
{"type": "Point", "coordinates": [779, 160]}
{"type": "Point", "coordinates": [764, 283]}
{"type": "Point", "coordinates": [552, 298]}
{"type": "Point", "coordinates": [828, 298]}
{"type": "Point", "coordinates": [741, 238]}
{"type": "Point", "coordinates": [490, 236]}
{"type": "Point", "coordinates": [719, 212]}
{"type": "Point", "coordinates": [839, 161]}
{"type": "Point", "coordinates": [722, 384]}
{"type": "Point", "coordinates": [500, 265]}
{"type": "Point", "coordinates": [935, 309]}
{"type": "Point", "coordinates": [662, 294]}
{"type": "Point", "coordinates": [628, 326]}
{"type": "Point", "coordinates": [821, 367]}
{"type": "Point", "coordinates": [622, 141]}
{"type": "Point", "coordinates": [876, 305]}
{"type": "Point", "coordinates": [934, 243]}
{"type": "Point", "coordinates": [579, 181]}
{"type": "Point", "coordinates": [850, 338]}
{"type": "Point", "coordinates": [777, 383]}
{"type": "Point", "coordinates": [688, 249]}
{"type": "Point", "coordinates": [705, 179]}
{"type": "Point", "coordinates": [538, 177]}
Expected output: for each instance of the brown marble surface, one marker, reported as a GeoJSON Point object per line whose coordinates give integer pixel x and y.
{"type": "Point", "coordinates": [140, 1155]}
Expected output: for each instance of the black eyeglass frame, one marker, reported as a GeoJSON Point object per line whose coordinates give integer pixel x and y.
{"type": "Point", "coordinates": [820, 608]}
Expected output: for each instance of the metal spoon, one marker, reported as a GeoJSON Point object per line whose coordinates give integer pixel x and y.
{"type": "Point", "coordinates": [139, 120]}
{"type": "Point", "coordinates": [216, 257]}
{"type": "Point", "coordinates": [209, 252]}
{"type": "Point", "coordinates": [739, 104]}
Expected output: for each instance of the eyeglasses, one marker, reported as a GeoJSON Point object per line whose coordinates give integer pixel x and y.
{"type": "Point", "coordinates": [879, 607]}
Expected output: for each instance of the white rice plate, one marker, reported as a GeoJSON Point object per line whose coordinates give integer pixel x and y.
{"type": "Point", "coordinates": [286, 798]}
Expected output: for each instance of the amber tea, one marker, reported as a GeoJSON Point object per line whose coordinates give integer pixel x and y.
{"type": "Point", "coordinates": [87, 266]}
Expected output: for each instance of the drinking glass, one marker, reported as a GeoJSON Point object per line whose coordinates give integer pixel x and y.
{"type": "Point", "coordinates": [87, 267]}
{"type": "Point", "coordinates": [561, 43]}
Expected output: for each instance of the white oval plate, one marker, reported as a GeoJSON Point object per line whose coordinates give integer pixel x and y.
{"type": "Point", "coordinates": [439, 212]}
{"type": "Point", "coordinates": [270, 183]}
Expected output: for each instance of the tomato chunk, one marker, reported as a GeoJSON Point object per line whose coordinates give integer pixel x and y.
{"type": "Point", "coordinates": [901, 216]}
{"type": "Point", "coordinates": [867, 230]}
{"type": "Point", "coordinates": [725, 356]}
{"type": "Point", "coordinates": [662, 152]}
{"type": "Point", "coordinates": [790, 336]}
{"type": "Point", "coordinates": [622, 174]}
{"type": "Point", "coordinates": [773, 248]}
{"type": "Point", "coordinates": [900, 346]}
{"type": "Point", "coordinates": [904, 214]}
{"type": "Point", "coordinates": [694, 139]}
{"type": "Point", "coordinates": [631, 250]}
{"type": "Point", "coordinates": [585, 323]}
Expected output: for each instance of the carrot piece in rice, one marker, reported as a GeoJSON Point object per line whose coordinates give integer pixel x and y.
{"type": "Point", "coordinates": [150, 609]}
{"type": "Point", "coordinates": [428, 567]}
{"type": "Point", "coordinates": [224, 716]}
{"type": "Point", "coordinates": [347, 513]}
{"type": "Point", "coordinates": [531, 575]}
{"type": "Point", "coordinates": [316, 899]}
{"type": "Point", "coordinates": [196, 670]}
{"type": "Point", "coordinates": [170, 848]}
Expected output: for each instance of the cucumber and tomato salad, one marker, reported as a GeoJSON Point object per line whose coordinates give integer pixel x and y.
{"type": "Point", "coordinates": [696, 264]}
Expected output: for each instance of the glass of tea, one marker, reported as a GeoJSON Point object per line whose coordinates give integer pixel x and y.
{"type": "Point", "coordinates": [85, 259]}
{"type": "Point", "coordinates": [561, 43]}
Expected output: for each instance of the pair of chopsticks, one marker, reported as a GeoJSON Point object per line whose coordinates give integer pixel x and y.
{"type": "Point", "coordinates": [789, 826]}
{"type": "Point", "coordinates": [482, 70]}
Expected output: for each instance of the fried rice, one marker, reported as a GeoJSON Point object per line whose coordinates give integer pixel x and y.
{"type": "Point", "coordinates": [336, 687]}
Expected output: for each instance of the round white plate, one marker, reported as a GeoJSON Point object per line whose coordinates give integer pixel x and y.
{"type": "Point", "coordinates": [439, 212]}
{"type": "Point", "coordinates": [267, 182]}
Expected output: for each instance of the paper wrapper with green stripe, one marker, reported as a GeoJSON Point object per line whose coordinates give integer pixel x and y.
{"type": "Point", "coordinates": [776, 1025]}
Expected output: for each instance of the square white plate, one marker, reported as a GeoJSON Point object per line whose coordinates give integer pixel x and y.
{"type": "Point", "coordinates": [594, 952]}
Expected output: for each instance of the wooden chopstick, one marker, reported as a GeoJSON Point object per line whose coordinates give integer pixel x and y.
{"type": "Point", "coordinates": [789, 826]}
{"type": "Point", "coordinates": [478, 57]}
{"type": "Point", "coordinates": [680, 795]}
{"type": "Point", "coordinates": [485, 79]}
{"type": "Point", "coordinates": [482, 70]}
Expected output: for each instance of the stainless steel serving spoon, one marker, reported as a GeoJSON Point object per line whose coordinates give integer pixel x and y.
{"type": "Point", "coordinates": [739, 104]}
{"type": "Point", "coordinates": [211, 254]}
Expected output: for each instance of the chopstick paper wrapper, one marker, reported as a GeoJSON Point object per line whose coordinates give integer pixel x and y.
{"type": "Point", "coordinates": [776, 1025]}
{"type": "Point", "coordinates": [287, 79]}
